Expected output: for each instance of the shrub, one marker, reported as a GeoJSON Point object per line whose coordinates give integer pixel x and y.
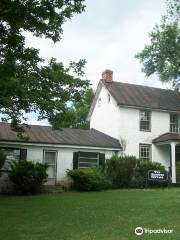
{"type": "Point", "coordinates": [120, 169]}
{"type": "Point", "coordinates": [127, 171]}
{"type": "Point", "coordinates": [178, 171]}
{"type": "Point", "coordinates": [28, 176]}
{"type": "Point", "coordinates": [2, 158]}
{"type": "Point", "coordinates": [140, 179]}
{"type": "Point", "coordinates": [89, 179]}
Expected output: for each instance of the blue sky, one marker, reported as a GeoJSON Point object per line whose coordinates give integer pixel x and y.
{"type": "Point", "coordinates": [108, 35]}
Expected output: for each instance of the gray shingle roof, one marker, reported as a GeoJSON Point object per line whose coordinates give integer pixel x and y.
{"type": "Point", "coordinates": [167, 137]}
{"type": "Point", "coordinates": [143, 96]}
{"type": "Point", "coordinates": [66, 136]}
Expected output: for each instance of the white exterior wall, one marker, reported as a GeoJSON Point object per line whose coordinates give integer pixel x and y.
{"type": "Point", "coordinates": [124, 123]}
{"type": "Point", "coordinates": [64, 156]}
{"type": "Point", "coordinates": [106, 117]}
{"type": "Point", "coordinates": [130, 132]}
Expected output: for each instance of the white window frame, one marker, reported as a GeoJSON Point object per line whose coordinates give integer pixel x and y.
{"type": "Point", "coordinates": [149, 147]}
{"type": "Point", "coordinates": [140, 116]}
{"type": "Point", "coordinates": [99, 102]}
{"type": "Point", "coordinates": [174, 127]}
{"type": "Point", "coordinates": [79, 157]}
{"type": "Point", "coordinates": [55, 165]}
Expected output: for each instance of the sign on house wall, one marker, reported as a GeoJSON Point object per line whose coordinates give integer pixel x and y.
{"type": "Point", "coordinates": [157, 175]}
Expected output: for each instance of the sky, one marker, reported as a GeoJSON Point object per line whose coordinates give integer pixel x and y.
{"type": "Point", "coordinates": [108, 35]}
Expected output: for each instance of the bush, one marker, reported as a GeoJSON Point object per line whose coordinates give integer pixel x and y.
{"type": "Point", "coordinates": [140, 179]}
{"type": "Point", "coordinates": [128, 171]}
{"type": "Point", "coordinates": [178, 171]}
{"type": "Point", "coordinates": [120, 169]}
{"type": "Point", "coordinates": [89, 179]}
{"type": "Point", "coordinates": [2, 158]}
{"type": "Point", "coordinates": [28, 176]}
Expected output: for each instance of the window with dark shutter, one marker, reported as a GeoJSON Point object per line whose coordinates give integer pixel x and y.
{"type": "Point", "coordinates": [11, 156]}
{"type": "Point", "coordinates": [88, 159]}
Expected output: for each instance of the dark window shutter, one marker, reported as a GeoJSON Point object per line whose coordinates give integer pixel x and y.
{"type": "Point", "coordinates": [23, 154]}
{"type": "Point", "coordinates": [101, 159]}
{"type": "Point", "coordinates": [75, 160]}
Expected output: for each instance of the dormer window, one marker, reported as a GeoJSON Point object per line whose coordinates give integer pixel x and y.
{"type": "Point", "coordinates": [145, 120]}
{"type": "Point", "coordinates": [174, 123]}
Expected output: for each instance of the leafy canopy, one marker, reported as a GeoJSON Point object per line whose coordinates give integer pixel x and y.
{"type": "Point", "coordinates": [26, 84]}
{"type": "Point", "coordinates": [75, 115]}
{"type": "Point", "coordinates": [162, 55]}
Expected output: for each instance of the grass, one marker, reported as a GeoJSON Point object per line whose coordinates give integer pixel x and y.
{"type": "Point", "coordinates": [110, 215]}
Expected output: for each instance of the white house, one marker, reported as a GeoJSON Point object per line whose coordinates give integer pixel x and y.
{"type": "Point", "coordinates": [145, 120]}
{"type": "Point", "coordinates": [60, 149]}
{"type": "Point", "coordinates": [124, 118]}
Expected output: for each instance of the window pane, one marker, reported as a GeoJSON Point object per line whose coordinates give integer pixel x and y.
{"type": "Point", "coordinates": [50, 157]}
{"type": "Point", "coordinates": [145, 152]}
{"type": "Point", "coordinates": [145, 120]}
{"type": "Point", "coordinates": [174, 125]}
{"type": "Point", "coordinates": [11, 155]}
{"type": "Point", "coordinates": [87, 164]}
{"type": "Point", "coordinates": [88, 159]}
{"type": "Point", "coordinates": [88, 154]}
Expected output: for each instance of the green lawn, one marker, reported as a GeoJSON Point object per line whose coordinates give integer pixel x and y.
{"type": "Point", "coordinates": [109, 215]}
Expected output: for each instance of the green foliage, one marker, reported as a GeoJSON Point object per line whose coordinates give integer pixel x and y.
{"type": "Point", "coordinates": [162, 55]}
{"type": "Point", "coordinates": [120, 170]}
{"type": "Point", "coordinates": [127, 171]}
{"type": "Point", "coordinates": [140, 179]}
{"type": "Point", "coordinates": [26, 85]}
{"type": "Point", "coordinates": [2, 158]}
{"type": "Point", "coordinates": [89, 179]}
{"type": "Point", "coordinates": [178, 171]}
{"type": "Point", "coordinates": [75, 115]}
{"type": "Point", "coordinates": [28, 176]}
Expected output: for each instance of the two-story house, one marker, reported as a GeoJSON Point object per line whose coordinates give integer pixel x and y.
{"type": "Point", "coordinates": [145, 120]}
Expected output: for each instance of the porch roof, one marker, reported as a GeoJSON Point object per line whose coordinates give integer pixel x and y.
{"type": "Point", "coordinates": [167, 137]}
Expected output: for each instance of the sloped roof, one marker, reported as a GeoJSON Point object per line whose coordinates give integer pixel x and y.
{"type": "Point", "coordinates": [66, 136]}
{"type": "Point", "coordinates": [167, 137]}
{"type": "Point", "coordinates": [145, 97]}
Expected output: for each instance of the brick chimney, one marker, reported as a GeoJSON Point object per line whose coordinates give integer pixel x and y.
{"type": "Point", "coordinates": [107, 76]}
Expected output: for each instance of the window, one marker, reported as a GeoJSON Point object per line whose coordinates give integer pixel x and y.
{"type": "Point", "coordinates": [174, 123]}
{"type": "Point", "coordinates": [145, 120]}
{"type": "Point", "coordinates": [50, 159]}
{"type": "Point", "coordinates": [88, 159]}
{"type": "Point", "coordinates": [99, 102]}
{"type": "Point", "coordinates": [145, 152]}
{"type": "Point", "coordinates": [108, 97]}
{"type": "Point", "coordinates": [11, 155]}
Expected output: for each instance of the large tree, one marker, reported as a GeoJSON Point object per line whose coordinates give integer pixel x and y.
{"type": "Point", "coordinates": [162, 55]}
{"type": "Point", "coordinates": [27, 85]}
{"type": "Point", "coordinates": [75, 115]}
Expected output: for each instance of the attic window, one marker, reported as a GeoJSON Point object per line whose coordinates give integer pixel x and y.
{"type": "Point", "coordinates": [99, 102]}
{"type": "Point", "coordinates": [108, 97]}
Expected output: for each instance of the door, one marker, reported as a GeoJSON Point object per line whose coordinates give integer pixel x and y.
{"type": "Point", "coordinates": [50, 158]}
